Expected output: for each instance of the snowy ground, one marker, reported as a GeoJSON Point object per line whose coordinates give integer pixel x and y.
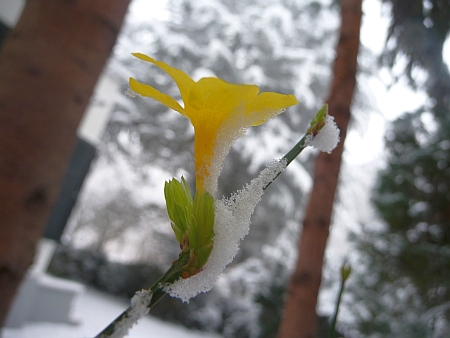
{"type": "Point", "coordinates": [93, 310]}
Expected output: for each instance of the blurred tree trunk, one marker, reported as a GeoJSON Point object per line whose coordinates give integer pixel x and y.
{"type": "Point", "coordinates": [300, 309]}
{"type": "Point", "coordinates": [49, 65]}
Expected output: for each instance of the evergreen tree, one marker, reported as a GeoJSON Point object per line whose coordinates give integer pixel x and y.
{"type": "Point", "coordinates": [403, 290]}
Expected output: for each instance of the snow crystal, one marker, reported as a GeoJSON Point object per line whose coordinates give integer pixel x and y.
{"type": "Point", "coordinates": [232, 223]}
{"type": "Point", "coordinates": [327, 138]}
{"type": "Point", "coordinates": [229, 131]}
{"type": "Point", "coordinates": [139, 308]}
{"type": "Point", "coordinates": [131, 93]}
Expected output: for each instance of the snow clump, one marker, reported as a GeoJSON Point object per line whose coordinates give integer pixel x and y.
{"type": "Point", "coordinates": [327, 138]}
{"type": "Point", "coordinates": [232, 223]}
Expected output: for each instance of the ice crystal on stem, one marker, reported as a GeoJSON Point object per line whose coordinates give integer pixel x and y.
{"type": "Point", "coordinates": [323, 133]}
{"type": "Point", "coordinates": [327, 138]}
{"type": "Point", "coordinates": [137, 310]}
{"type": "Point", "coordinates": [232, 223]}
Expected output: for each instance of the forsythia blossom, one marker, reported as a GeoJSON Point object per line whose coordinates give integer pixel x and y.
{"type": "Point", "coordinates": [220, 113]}
{"type": "Point", "coordinates": [210, 230]}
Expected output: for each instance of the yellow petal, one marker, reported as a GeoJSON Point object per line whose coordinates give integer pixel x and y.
{"type": "Point", "coordinates": [183, 81]}
{"type": "Point", "coordinates": [219, 111]}
{"type": "Point", "coordinates": [265, 105]}
{"type": "Point", "coordinates": [214, 104]}
{"type": "Point", "coordinates": [212, 100]}
{"type": "Point", "coordinates": [149, 91]}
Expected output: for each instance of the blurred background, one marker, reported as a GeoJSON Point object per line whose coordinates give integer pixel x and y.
{"type": "Point", "coordinates": [392, 214]}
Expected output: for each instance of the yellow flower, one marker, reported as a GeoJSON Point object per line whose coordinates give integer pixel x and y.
{"type": "Point", "coordinates": [219, 111]}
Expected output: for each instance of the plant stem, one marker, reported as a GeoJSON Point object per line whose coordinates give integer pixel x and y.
{"type": "Point", "coordinates": [332, 332]}
{"type": "Point", "coordinates": [174, 273]}
{"type": "Point", "coordinates": [156, 292]}
{"type": "Point", "coordinates": [292, 154]}
{"type": "Point", "coordinates": [346, 270]}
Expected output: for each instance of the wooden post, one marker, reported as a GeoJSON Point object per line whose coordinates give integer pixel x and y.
{"type": "Point", "coordinates": [49, 65]}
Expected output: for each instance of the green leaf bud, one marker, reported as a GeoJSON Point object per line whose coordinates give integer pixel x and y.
{"type": "Point", "coordinates": [201, 238]}
{"type": "Point", "coordinates": [192, 221]}
{"type": "Point", "coordinates": [318, 121]}
{"type": "Point", "coordinates": [179, 207]}
{"type": "Point", "coordinates": [346, 270]}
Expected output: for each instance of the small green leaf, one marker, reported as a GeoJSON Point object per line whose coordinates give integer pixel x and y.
{"type": "Point", "coordinates": [204, 220]}
{"type": "Point", "coordinates": [346, 270]}
{"type": "Point", "coordinates": [192, 221]}
{"type": "Point", "coordinates": [201, 236]}
{"type": "Point", "coordinates": [179, 206]}
{"type": "Point", "coordinates": [180, 216]}
{"type": "Point", "coordinates": [318, 121]}
{"type": "Point", "coordinates": [204, 216]}
{"type": "Point", "coordinates": [178, 233]}
{"type": "Point", "coordinates": [203, 254]}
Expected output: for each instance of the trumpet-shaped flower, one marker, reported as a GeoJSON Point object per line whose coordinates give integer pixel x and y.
{"type": "Point", "coordinates": [219, 111]}
{"type": "Point", "coordinates": [209, 230]}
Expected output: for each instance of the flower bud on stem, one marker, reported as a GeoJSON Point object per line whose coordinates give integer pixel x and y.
{"type": "Point", "coordinates": [346, 270]}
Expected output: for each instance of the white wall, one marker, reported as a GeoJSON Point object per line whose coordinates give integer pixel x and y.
{"type": "Point", "coordinates": [96, 117]}
{"type": "Point", "coordinates": [10, 11]}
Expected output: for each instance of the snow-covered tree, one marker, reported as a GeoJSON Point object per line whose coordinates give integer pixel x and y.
{"type": "Point", "coordinates": [402, 287]}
